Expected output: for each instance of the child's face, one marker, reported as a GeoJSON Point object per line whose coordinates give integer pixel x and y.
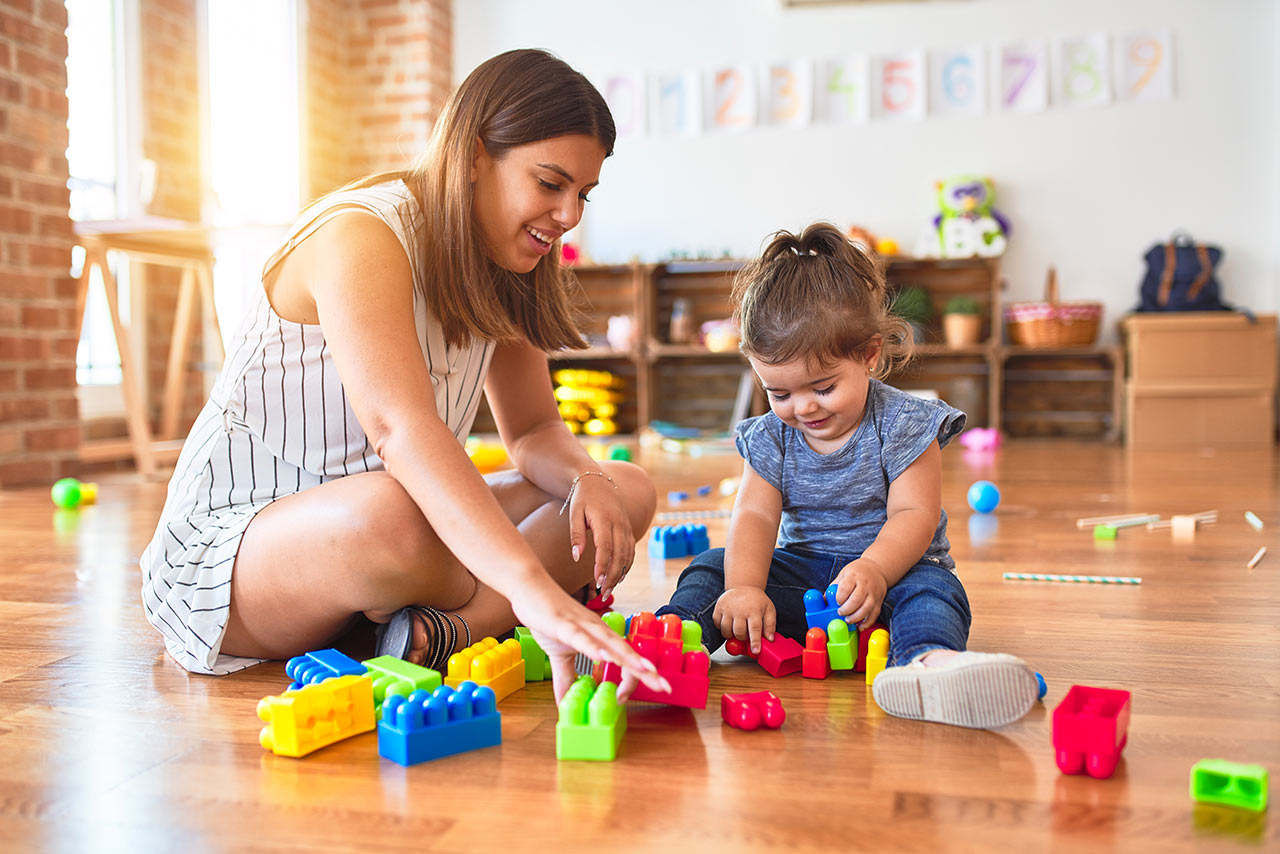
{"type": "Point", "coordinates": [535, 193]}
{"type": "Point", "coordinates": [823, 403]}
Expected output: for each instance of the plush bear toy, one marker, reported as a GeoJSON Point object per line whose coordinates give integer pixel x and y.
{"type": "Point", "coordinates": [968, 225]}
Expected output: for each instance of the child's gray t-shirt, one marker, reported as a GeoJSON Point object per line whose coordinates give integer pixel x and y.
{"type": "Point", "coordinates": [835, 503]}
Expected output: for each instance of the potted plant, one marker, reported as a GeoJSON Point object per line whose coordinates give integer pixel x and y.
{"type": "Point", "coordinates": [962, 321]}
{"type": "Point", "coordinates": [912, 304]}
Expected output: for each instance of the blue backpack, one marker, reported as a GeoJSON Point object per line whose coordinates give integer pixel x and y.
{"type": "Point", "coordinates": [1180, 277]}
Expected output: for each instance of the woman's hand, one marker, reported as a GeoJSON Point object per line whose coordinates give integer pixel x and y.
{"type": "Point", "coordinates": [746, 613]}
{"type": "Point", "coordinates": [596, 506]}
{"type": "Point", "coordinates": [861, 591]}
{"type": "Point", "coordinates": [562, 627]}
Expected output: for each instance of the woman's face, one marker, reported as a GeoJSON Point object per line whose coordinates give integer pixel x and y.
{"type": "Point", "coordinates": [524, 201]}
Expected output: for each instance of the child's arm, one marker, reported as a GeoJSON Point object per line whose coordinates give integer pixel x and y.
{"type": "Point", "coordinates": [744, 611]}
{"type": "Point", "coordinates": [913, 509]}
{"type": "Point", "coordinates": [524, 407]}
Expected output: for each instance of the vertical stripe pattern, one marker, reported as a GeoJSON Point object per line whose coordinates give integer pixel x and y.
{"type": "Point", "coordinates": [276, 423]}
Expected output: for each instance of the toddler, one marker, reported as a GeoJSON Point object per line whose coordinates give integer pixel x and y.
{"type": "Point", "coordinates": [850, 470]}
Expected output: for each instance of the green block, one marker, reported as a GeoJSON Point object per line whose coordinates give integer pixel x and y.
{"type": "Point", "coordinates": [395, 677]}
{"type": "Point", "coordinates": [616, 621]}
{"type": "Point", "coordinates": [1104, 532]}
{"type": "Point", "coordinates": [591, 722]}
{"type": "Point", "coordinates": [1217, 781]}
{"type": "Point", "coordinates": [620, 452]}
{"type": "Point", "coordinates": [537, 664]}
{"type": "Point", "coordinates": [691, 636]}
{"type": "Point", "coordinates": [842, 645]}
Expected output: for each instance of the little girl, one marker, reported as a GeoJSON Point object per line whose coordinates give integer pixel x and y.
{"type": "Point", "coordinates": [851, 470]}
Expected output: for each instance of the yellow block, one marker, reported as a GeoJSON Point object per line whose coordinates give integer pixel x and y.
{"type": "Point", "coordinates": [877, 653]}
{"type": "Point", "coordinates": [315, 716]}
{"type": "Point", "coordinates": [498, 665]}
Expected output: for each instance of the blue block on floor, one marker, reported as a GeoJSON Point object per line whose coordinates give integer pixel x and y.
{"type": "Point", "coordinates": [697, 537]}
{"type": "Point", "coordinates": [819, 611]}
{"type": "Point", "coordinates": [426, 726]}
{"type": "Point", "coordinates": [321, 665]}
{"type": "Point", "coordinates": [668, 542]}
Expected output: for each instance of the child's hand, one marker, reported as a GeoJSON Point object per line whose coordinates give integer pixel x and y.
{"type": "Point", "coordinates": [745, 613]}
{"type": "Point", "coordinates": [861, 591]}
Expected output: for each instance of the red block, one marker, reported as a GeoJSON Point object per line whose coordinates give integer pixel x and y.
{"type": "Point", "coordinates": [781, 657]}
{"type": "Point", "coordinates": [864, 638]}
{"type": "Point", "coordinates": [688, 675]}
{"type": "Point", "coordinates": [815, 664]}
{"type": "Point", "coordinates": [600, 604]}
{"type": "Point", "coordinates": [666, 630]}
{"type": "Point", "coordinates": [1090, 728]}
{"type": "Point", "coordinates": [748, 711]}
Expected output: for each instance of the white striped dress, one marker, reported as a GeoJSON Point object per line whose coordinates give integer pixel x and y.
{"type": "Point", "coordinates": [276, 423]}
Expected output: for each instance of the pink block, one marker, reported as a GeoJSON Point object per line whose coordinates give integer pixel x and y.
{"type": "Point", "coordinates": [1090, 729]}
{"type": "Point", "coordinates": [749, 711]}
{"type": "Point", "coordinates": [781, 657]}
{"type": "Point", "coordinates": [690, 682]}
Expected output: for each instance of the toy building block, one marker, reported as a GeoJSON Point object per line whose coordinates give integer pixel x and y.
{"type": "Point", "coordinates": [426, 726]}
{"type": "Point", "coordinates": [395, 677]}
{"type": "Point", "coordinates": [780, 657]}
{"type": "Point", "coordinates": [691, 635]}
{"type": "Point", "coordinates": [877, 653]}
{"type": "Point", "coordinates": [1217, 781]}
{"type": "Point", "coordinates": [704, 490]}
{"type": "Point", "coordinates": [600, 604]}
{"type": "Point", "coordinates": [488, 662]}
{"type": "Point", "coordinates": [749, 711]}
{"type": "Point", "coordinates": [1090, 728]}
{"type": "Point", "coordinates": [315, 716]}
{"type": "Point", "coordinates": [815, 664]}
{"type": "Point", "coordinates": [842, 643]}
{"type": "Point", "coordinates": [591, 723]}
{"type": "Point", "coordinates": [1184, 527]}
{"type": "Point", "coordinates": [1105, 532]}
{"type": "Point", "coordinates": [698, 539]}
{"type": "Point", "coordinates": [688, 673]}
{"type": "Point", "coordinates": [321, 665]}
{"type": "Point", "coordinates": [1043, 688]}
{"type": "Point", "coordinates": [676, 496]}
{"type": "Point", "coordinates": [537, 664]}
{"type": "Point", "coordinates": [656, 638]}
{"type": "Point", "coordinates": [672, 541]}
{"type": "Point", "coordinates": [864, 641]}
{"type": "Point", "coordinates": [820, 611]}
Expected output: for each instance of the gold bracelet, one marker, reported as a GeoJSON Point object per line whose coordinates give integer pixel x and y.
{"type": "Point", "coordinates": [574, 486]}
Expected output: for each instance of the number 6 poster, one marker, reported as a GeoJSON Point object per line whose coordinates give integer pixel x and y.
{"type": "Point", "coordinates": [958, 82]}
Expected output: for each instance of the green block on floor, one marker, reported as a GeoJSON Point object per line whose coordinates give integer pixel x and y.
{"type": "Point", "coordinates": [591, 722]}
{"type": "Point", "coordinates": [395, 677]}
{"type": "Point", "coordinates": [1104, 532]}
{"type": "Point", "coordinates": [1217, 781]}
{"type": "Point", "coordinates": [842, 645]}
{"type": "Point", "coordinates": [537, 664]}
{"type": "Point", "coordinates": [690, 636]}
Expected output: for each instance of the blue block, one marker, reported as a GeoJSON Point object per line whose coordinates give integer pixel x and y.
{"type": "Point", "coordinates": [819, 612]}
{"type": "Point", "coordinates": [1044, 689]}
{"type": "Point", "coordinates": [676, 496]}
{"type": "Point", "coordinates": [321, 665]}
{"type": "Point", "coordinates": [698, 540]}
{"type": "Point", "coordinates": [448, 721]}
{"type": "Point", "coordinates": [704, 490]}
{"type": "Point", "coordinates": [668, 541]}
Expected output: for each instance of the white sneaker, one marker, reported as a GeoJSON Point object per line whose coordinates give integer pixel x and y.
{"type": "Point", "coordinates": [974, 689]}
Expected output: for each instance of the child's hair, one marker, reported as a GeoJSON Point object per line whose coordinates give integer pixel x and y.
{"type": "Point", "coordinates": [820, 298]}
{"type": "Point", "coordinates": [515, 98]}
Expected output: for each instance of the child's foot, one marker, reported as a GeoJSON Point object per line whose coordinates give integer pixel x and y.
{"type": "Point", "coordinates": [974, 689]}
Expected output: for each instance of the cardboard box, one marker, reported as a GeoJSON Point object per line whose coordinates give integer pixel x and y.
{"type": "Point", "coordinates": [1200, 379]}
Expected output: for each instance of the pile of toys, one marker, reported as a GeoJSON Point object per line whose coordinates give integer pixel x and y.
{"type": "Point", "coordinates": [588, 400]}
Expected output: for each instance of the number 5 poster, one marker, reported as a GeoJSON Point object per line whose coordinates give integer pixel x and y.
{"type": "Point", "coordinates": [898, 86]}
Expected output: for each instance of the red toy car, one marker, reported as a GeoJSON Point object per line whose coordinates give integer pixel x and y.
{"type": "Point", "coordinates": [1090, 728]}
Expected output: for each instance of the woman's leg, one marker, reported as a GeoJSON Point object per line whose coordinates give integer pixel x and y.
{"type": "Point", "coordinates": [311, 562]}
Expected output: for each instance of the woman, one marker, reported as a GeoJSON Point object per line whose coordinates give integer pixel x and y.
{"type": "Point", "coordinates": [326, 476]}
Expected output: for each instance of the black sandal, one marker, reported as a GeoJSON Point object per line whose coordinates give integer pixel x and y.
{"type": "Point", "coordinates": [395, 637]}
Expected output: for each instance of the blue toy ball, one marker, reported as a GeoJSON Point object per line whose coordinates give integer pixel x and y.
{"type": "Point", "coordinates": [983, 496]}
{"type": "Point", "coordinates": [1044, 689]}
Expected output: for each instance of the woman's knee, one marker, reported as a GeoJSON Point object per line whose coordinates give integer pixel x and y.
{"type": "Point", "coordinates": [638, 493]}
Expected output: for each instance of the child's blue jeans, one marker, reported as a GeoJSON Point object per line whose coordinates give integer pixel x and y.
{"type": "Point", "coordinates": [927, 609]}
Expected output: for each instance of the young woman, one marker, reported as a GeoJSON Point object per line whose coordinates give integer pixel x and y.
{"type": "Point", "coordinates": [326, 479]}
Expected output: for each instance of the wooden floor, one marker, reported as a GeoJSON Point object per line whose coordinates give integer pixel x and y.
{"type": "Point", "coordinates": [106, 744]}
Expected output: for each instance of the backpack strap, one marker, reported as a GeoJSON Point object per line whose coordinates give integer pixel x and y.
{"type": "Point", "coordinates": [1206, 270]}
{"type": "Point", "coordinates": [1166, 276]}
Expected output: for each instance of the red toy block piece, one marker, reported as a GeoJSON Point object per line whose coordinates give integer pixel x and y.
{"type": "Point", "coordinates": [688, 675]}
{"type": "Point", "coordinates": [600, 604]}
{"type": "Point", "coordinates": [654, 637]}
{"type": "Point", "coordinates": [748, 711]}
{"type": "Point", "coordinates": [781, 657]}
{"type": "Point", "coordinates": [733, 646]}
{"type": "Point", "coordinates": [1090, 728]}
{"type": "Point", "coordinates": [815, 663]}
{"type": "Point", "coordinates": [864, 638]}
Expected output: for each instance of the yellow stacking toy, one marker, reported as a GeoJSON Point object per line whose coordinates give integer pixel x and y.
{"type": "Point", "coordinates": [588, 400]}
{"type": "Point", "coordinates": [877, 653]}
{"type": "Point", "coordinates": [316, 716]}
{"type": "Point", "coordinates": [498, 665]}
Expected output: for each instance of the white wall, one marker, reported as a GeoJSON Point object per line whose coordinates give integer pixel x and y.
{"type": "Point", "coordinates": [1086, 190]}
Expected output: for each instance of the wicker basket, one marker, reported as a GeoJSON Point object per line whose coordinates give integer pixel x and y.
{"type": "Point", "coordinates": [1052, 323]}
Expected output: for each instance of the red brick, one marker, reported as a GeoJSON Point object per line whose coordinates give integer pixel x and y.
{"type": "Point", "coordinates": [8, 379]}
{"type": "Point", "coordinates": [64, 408]}
{"type": "Point", "coordinates": [24, 285]}
{"type": "Point", "coordinates": [53, 438]}
{"type": "Point", "coordinates": [10, 441]}
{"type": "Point", "coordinates": [9, 314]}
{"type": "Point", "coordinates": [40, 317]}
{"type": "Point", "coordinates": [41, 66]}
{"type": "Point", "coordinates": [53, 193]}
{"type": "Point", "coordinates": [6, 56]}
{"type": "Point", "coordinates": [27, 471]}
{"type": "Point", "coordinates": [55, 13]}
{"type": "Point", "coordinates": [18, 27]}
{"type": "Point", "coordinates": [46, 255]}
{"type": "Point", "coordinates": [24, 409]}
{"type": "Point", "coordinates": [38, 379]}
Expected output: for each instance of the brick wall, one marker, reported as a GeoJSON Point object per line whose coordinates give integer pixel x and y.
{"type": "Point", "coordinates": [39, 426]}
{"type": "Point", "coordinates": [378, 73]}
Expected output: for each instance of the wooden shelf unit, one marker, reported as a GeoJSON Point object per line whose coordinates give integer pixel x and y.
{"type": "Point", "coordinates": [693, 386]}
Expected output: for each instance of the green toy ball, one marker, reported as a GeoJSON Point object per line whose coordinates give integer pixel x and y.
{"type": "Point", "coordinates": [66, 493]}
{"type": "Point", "coordinates": [620, 452]}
